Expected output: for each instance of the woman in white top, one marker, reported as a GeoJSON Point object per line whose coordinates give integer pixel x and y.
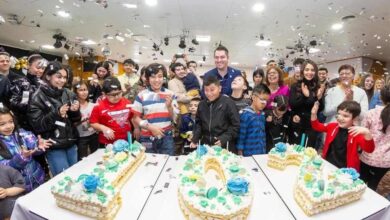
{"type": "Point", "coordinates": [88, 139]}
{"type": "Point", "coordinates": [345, 90]}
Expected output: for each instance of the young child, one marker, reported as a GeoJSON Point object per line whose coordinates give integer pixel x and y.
{"type": "Point", "coordinates": [217, 118]}
{"type": "Point", "coordinates": [17, 148]}
{"type": "Point", "coordinates": [111, 117]}
{"type": "Point", "coordinates": [343, 139]}
{"type": "Point", "coordinates": [251, 139]}
{"type": "Point", "coordinates": [11, 187]}
{"type": "Point", "coordinates": [187, 124]}
{"type": "Point", "coordinates": [154, 112]}
{"type": "Point", "coordinates": [280, 123]}
{"type": "Point", "coordinates": [376, 164]}
{"type": "Point", "coordinates": [239, 87]}
{"type": "Point", "coordinates": [88, 138]}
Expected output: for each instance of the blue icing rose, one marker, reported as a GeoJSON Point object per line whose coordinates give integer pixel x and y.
{"type": "Point", "coordinates": [238, 186]}
{"type": "Point", "coordinates": [201, 150]}
{"type": "Point", "coordinates": [352, 172]}
{"type": "Point", "coordinates": [120, 145]}
{"type": "Point", "coordinates": [281, 147]}
{"type": "Point", "coordinates": [91, 183]}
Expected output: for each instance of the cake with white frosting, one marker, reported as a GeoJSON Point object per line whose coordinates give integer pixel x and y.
{"type": "Point", "coordinates": [214, 185]}
{"type": "Point", "coordinates": [317, 189]}
{"type": "Point", "coordinates": [97, 194]}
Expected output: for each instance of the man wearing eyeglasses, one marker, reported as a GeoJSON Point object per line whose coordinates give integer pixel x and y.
{"type": "Point", "coordinates": [223, 72]}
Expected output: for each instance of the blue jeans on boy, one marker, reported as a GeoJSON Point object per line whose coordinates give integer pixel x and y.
{"type": "Point", "coordinates": [162, 145]}
{"type": "Point", "coordinates": [61, 159]}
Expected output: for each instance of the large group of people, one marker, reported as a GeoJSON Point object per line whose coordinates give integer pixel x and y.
{"type": "Point", "coordinates": [48, 122]}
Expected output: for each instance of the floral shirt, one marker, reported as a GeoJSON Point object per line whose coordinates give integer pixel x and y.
{"type": "Point", "coordinates": [381, 155]}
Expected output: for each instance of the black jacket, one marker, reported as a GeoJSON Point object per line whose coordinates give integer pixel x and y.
{"type": "Point", "coordinates": [44, 116]}
{"type": "Point", "coordinates": [217, 120]}
{"type": "Point", "coordinates": [4, 90]}
{"type": "Point", "coordinates": [22, 85]}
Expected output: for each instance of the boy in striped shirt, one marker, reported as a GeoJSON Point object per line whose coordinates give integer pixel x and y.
{"type": "Point", "coordinates": [251, 139]}
{"type": "Point", "coordinates": [153, 112]}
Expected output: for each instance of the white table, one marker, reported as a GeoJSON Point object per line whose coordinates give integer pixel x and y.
{"type": "Point", "coordinates": [40, 204]}
{"type": "Point", "coordinates": [163, 201]}
{"type": "Point", "coordinates": [370, 206]}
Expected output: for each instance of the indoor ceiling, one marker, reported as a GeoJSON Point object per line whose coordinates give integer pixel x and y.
{"type": "Point", "coordinates": [299, 25]}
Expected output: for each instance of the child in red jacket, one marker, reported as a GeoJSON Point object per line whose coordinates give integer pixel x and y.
{"type": "Point", "coordinates": [343, 139]}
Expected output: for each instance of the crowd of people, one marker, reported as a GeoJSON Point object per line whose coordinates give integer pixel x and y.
{"type": "Point", "coordinates": [49, 121]}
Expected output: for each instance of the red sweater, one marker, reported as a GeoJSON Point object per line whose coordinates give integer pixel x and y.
{"type": "Point", "coordinates": [353, 143]}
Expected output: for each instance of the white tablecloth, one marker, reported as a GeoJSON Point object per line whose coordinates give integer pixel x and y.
{"type": "Point", "coordinates": [370, 206]}
{"type": "Point", "coordinates": [163, 202]}
{"type": "Point", "coordinates": [40, 203]}
{"type": "Point", "coordinates": [151, 193]}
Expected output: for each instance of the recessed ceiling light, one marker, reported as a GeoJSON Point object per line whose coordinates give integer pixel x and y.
{"type": "Point", "coordinates": [32, 41]}
{"type": "Point", "coordinates": [110, 37]}
{"type": "Point", "coordinates": [88, 42]}
{"type": "Point", "coordinates": [264, 65]}
{"type": "Point", "coordinates": [57, 7]}
{"type": "Point", "coordinates": [203, 38]}
{"type": "Point", "coordinates": [258, 7]}
{"type": "Point", "coordinates": [263, 43]}
{"type": "Point", "coordinates": [314, 50]}
{"type": "Point", "coordinates": [234, 63]}
{"type": "Point", "coordinates": [136, 60]}
{"type": "Point", "coordinates": [337, 26]}
{"type": "Point", "coordinates": [151, 2]}
{"type": "Point", "coordinates": [61, 1]}
{"type": "Point", "coordinates": [120, 38]}
{"type": "Point", "coordinates": [63, 14]}
{"type": "Point", "coordinates": [264, 58]}
{"type": "Point", "coordinates": [167, 61]}
{"type": "Point", "coordinates": [48, 47]}
{"type": "Point", "coordinates": [22, 41]}
{"type": "Point", "coordinates": [378, 47]}
{"type": "Point", "coordinates": [127, 5]}
{"type": "Point", "coordinates": [146, 26]}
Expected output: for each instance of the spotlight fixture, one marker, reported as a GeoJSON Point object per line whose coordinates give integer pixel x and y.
{"type": "Point", "coordinates": [191, 49]}
{"type": "Point", "coordinates": [204, 58]}
{"type": "Point", "coordinates": [166, 41]}
{"type": "Point", "coordinates": [195, 42]}
{"type": "Point", "coordinates": [67, 46]}
{"type": "Point", "coordinates": [59, 38]}
{"type": "Point", "coordinates": [162, 53]}
{"type": "Point", "coordinates": [182, 43]}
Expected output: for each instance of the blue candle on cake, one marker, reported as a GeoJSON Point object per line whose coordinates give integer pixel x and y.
{"type": "Point", "coordinates": [129, 140]}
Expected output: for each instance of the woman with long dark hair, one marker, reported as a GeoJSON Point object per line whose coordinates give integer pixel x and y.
{"type": "Point", "coordinates": [303, 95]}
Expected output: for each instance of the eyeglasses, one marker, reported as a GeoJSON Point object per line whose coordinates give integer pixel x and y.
{"type": "Point", "coordinates": [262, 101]}
{"type": "Point", "coordinates": [116, 94]}
{"type": "Point", "coordinates": [345, 73]}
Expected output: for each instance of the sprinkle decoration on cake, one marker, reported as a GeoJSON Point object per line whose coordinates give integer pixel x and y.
{"type": "Point", "coordinates": [214, 185]}
{"type": "Point", "coordinates": [317, 190]}
{"type": "Point", "coordinates": [97, 193]}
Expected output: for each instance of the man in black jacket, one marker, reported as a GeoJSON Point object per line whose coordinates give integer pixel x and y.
{"type": "Point", "coordinates": [217, 119]}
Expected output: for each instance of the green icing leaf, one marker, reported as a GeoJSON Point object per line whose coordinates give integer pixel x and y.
{"type": "Point", "coordinates": [317, 194]}
{"type": "Point", "coordinates": [236, 200]}
{"type": "Point", "coordinates": [67, 178]}
{"type": "Point", "coordinates": [185, 180]}
{"type": "Point", "coordinates": [321, 185]}
{"type": "Point", "coordinates": [213, 206]}
{"type": "Point", "coordinates": [81, 177]}
{"type": "Point", "coordinates": [61, 182]}
{"type": "Point", "coordinates": [102, 198]}
{"type": "Point", "coordinates": [204, 203]}
{"type": "Point", "coordinates": [212, 192]}
{"type": "Point", "coordinates": [221, 200]}
{"type": "Point", "coordinates": [330, 190]}
{"type": "Point", "coordinates": [234, 168]}
{"type": "Point", "coordinates": [191, 193]}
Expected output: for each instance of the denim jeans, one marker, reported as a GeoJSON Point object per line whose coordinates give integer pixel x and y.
{"type": "Point", "coordinates": [163, 145]}
{"type": "Point", "coordinates": [61, 159]}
